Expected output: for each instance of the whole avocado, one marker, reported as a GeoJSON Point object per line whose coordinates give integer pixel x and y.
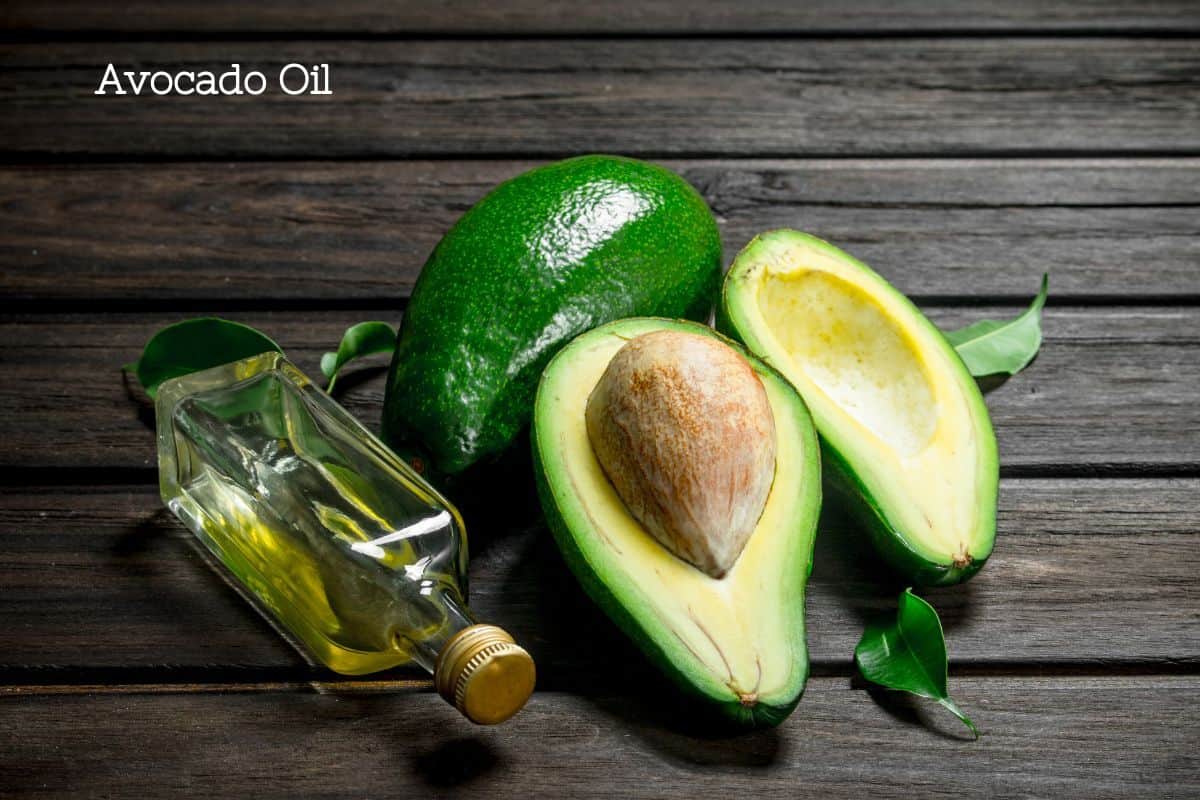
{"type": "Point", "coordinates": [544, 257]}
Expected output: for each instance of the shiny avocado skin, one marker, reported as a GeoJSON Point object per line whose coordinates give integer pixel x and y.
{"type": "Point", "coordinates": [545, 256]}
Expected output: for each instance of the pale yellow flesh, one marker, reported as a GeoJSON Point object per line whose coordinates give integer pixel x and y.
{"type": "Point", "coordinates": [740, 627]}
{"type": "Point", "coordinates": [875, 387]}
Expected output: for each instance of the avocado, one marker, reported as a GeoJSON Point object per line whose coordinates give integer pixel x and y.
{"type": "Point", "coordinates": [904, 430]}
{"type": "Point", "coordinates": [735, 642]}
{"type": "Point", "coordinates": [545, 256]}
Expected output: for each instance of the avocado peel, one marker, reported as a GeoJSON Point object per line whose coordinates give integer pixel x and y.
{"type": "Point", "coordinates": [544, 256]}
{"type": "Point", "coordinates": [735, 644]}
{"type": "Point", "coordinates": [905, 435]}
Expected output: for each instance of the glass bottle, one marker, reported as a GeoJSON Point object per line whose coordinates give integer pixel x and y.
{"type": "Point", "coordinates": [328, 533]}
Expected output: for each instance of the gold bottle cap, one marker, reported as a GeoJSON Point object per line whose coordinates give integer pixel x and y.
{"type": "Point", "coordinates": [484, 674]}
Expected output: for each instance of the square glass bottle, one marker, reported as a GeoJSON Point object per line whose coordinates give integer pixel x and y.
{"type": "Point", "coordinates": [325, 530]}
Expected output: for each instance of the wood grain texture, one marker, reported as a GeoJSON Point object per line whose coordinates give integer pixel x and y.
{"type": "Point", "coordinates": [606, 17]}
{"type": "Point", "coordinates": [349, 232]}
{"type": "Point", "coordinates": [104, 582]}
{"type": "Point", "coordinates": [1112, 388]}
{"type": "Point", "coordinates": [962, 148]}
{"type": "Point", "coordinates": [1060, 737]}
{"type": "Point", "coordinates": [783, 97]}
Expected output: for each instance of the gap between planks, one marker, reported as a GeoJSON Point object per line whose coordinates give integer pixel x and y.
{"type": "Point", "coordinates": [89, 682]}
{"type": "Point", "coordinates": [604, 18]}
{"type": "Point", "coordinates": [21, 158]}
{"type": "Point", "coordinates": [34, 477]}
{"type": "Point", "coordinates": [218, 305]}
{"type": "Point", "coordinates": [38, 36]}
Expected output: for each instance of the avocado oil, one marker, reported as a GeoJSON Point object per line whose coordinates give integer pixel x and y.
{"type": "Point", "coordinates": [355, 558]}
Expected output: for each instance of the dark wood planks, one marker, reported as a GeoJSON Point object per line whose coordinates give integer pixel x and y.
{"type": "Point", "coordinates": [1086, 572]}
{"type": "Point", "coordinates": [524, 17]}
{"type": "Point", "coordinates": [738, 98]}
{"type": "Point", "coordinates": [1112, 388]}
{"type": "Point", "coordinates": [1091, 575]}
{"type": "Point", "coordinates": [361, 231]}
{"type": "Point", "coordinates": [1061, 737]}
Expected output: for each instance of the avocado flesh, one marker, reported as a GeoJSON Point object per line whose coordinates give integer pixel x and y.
{"type": "Point", "coordinates": [903, 425]}
{"type": "Point", "coordinates": [736, 642]}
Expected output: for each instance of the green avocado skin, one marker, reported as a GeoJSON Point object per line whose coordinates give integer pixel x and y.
{"type": "Point", "coordinates": [723, 713]}
{"type": "Point", "coordinates": [845, 485]}
{"type": "Point", "coordinates": [545, 256]}
{"type": "Point", "coordinates": [731, 713]}
{"type": "Point", "coordinates": [849, 491]}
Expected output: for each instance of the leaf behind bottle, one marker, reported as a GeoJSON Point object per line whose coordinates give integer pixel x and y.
{"type": "Point", "coordinates": [194, 345]}
{"type": "Point", "coordinates": [363, 339]}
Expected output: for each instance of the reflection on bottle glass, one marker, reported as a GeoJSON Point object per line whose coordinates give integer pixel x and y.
{"type": "Point", "coordinates": [325, 529]}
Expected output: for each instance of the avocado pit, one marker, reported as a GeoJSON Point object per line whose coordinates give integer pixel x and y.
{"type": "Point", "coordinates": [683, 429]}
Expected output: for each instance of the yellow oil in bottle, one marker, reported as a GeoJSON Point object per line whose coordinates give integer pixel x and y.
{"type": "Point", "coordinates": [330, 534]}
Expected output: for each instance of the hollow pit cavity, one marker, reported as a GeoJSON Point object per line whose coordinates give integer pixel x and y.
{"type": "Point", "coordinates": [842, 341]}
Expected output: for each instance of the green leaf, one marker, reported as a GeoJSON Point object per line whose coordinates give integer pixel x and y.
{"type": "Point", "coordinates": [909, 654]}
{"type": "Point", "coordinates": [194, 345]}
{"type": "Point", "coordinates": [993, 347]}
{"type": "Point", "coordinates": [359, 340]}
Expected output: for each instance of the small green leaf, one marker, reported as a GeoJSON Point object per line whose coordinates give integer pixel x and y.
{"type": "Point", "coordinates": [194, 345]}
{"type": "Point", "coordinates": [909, 654]}
{"type": "Point", "coordinates": [993, 347]}
{"type": "Point", "coordinates": [359, 340]}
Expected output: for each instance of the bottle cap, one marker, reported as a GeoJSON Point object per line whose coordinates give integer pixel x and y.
{"type": "Point", "coordinates": [483, 673]}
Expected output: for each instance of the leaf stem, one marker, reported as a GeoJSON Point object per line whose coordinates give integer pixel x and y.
{"type": "Point", "coordinates": [956, 711]}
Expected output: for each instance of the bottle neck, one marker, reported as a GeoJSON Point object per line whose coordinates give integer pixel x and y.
{"type": "Point", "coordinates": [478, 669]}
{"type": "Point", "coordinates": [425, 650]}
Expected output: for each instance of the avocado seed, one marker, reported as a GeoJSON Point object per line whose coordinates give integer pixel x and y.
{"type": "Point", "coordinates": [683, 428]}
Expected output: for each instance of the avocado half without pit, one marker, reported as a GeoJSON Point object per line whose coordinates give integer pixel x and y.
{"type": "Point", "coordinates": [904, 430]}
{"type": "Point", "coordinates": [680, 477]}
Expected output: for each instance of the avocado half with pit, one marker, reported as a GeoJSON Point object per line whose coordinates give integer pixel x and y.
{"type": "Point", "coordinates": [904, 430]}
{"type": "Point", "coordinates": [737, 641]}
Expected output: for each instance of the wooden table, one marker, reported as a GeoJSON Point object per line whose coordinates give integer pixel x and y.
{"type": "Point", "coordinates": [962, 148]}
